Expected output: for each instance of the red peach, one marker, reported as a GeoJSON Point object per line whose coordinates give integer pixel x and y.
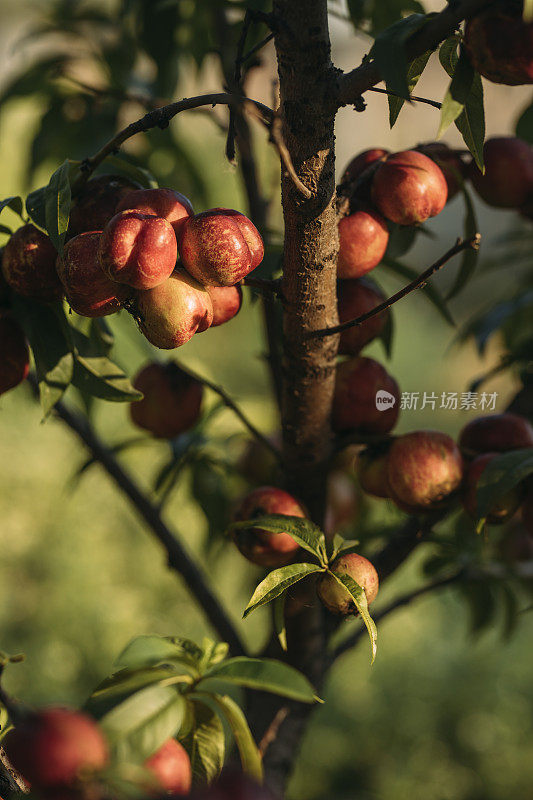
{"type": "Point", "coordinates": [366, 397]}
{"type": "Point", "coordinates": [423, 469]}
{"type": "Point", "coordinates": [371, 469]}
{"type": "Point", "coordinates": [96, 203]}
{"type": "Point", "coordinates": [88, 290]}
{"type": "Point", "coordinates": [359, 569]}
{"type": "Point", "coordinates": [363, 239]}
{"type": "Point", "coordinates": [260, 546]}
{"type": "Point", "coordinates": [138, 249]}
{"type": "Point", "coordinates": [496, 433]}
{"type": "Point", "coordinates": [452, 167]}
{"type": "Point", "coordinates": [504, 507]}
{"type": "Point", "coordinates": [171, 403]}
{"type": "Point", "coordinates": [171, 767]}
{"type": "Point", "coordinates": [171, 313]}
{"type": "Point", "coordinates": [508, 178]}
{"type": "Point", "coordinates": [29, 265]}
{"type": "Point", "coordinates": [359, 163]}
{"type": "Point", "coordinates": [355, 298]}
{"type": "Point", "coordinates": [220, 247]}
{"type": "Point", "coordinates": [53, 747]}
{"type": "Point", "coordinates": [500, 44]}
{"type": "Point", "coordinates": [14, 354]}
{"type": "Point", "coordinates": [408, 188]}
{"type": "Point", "coordinates": [172, 206]}
{"type": "Point", "coordinates": [227, 301]}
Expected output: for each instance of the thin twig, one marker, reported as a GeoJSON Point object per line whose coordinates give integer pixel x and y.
{"type": "Point", "coordinates": [399, 602]}
{"type": "Point", "coordinates": [458, 247]}
{"type": "Point", "coordinates": [257, 47]}
{"type": "Point", "coordinates": [263, 284]}
{"type": "Point", "coordinates": [272, 731]}
{"type": "Point", "coordinates": [230, 403]}
{"type": "Point", "coordinates": [412, 97]}
{"type": "Point", "coordinates": [177, 557]}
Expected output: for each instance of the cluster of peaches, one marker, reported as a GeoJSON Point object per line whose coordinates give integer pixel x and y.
{"type": "Point", "coordinates": [62, 754]}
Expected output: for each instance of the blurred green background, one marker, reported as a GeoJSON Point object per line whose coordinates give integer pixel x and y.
{"type": "Point", "coordinates": [443, 714]}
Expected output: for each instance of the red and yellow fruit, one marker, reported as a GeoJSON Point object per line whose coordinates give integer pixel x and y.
{"type": "Point", "coordinates": [334, 596]}
{"type": "Point", "coordinates": [449, 162]}
{"type": "Point", "coordinates": [508, 178]}
{"type": "Point", "coordinates": [220, 247]}
{"type": "Point", "coordinates": [138, 249]}
{"type": "Point", "coordinates": [500, 43]}
{"type": "Point", "coordinates": [496, 433]}
{"type": "Point", "coordinates": [363, 239]}
{"type": "Point", "coordinates": [371, 469]}
{"type": "Point", "coordinates": [170, 314]}
{"type": "Point", "coordinates": [227, 301]}
{"type": "Point", "coordinates": [409, 188]}
{"type": "Point", "coordinates": [88, 290]}
{"type": "Point", "coordinates": [166, 203]}
{"type": "Point", "coordinates": [361, 162]}
{"type": "Point", "coordinates": [171, 768]}
{"type": "Point", "coordinates": [172, 400]}
{"type": "Point", "coordinates": [366, 397]}
{"type": "Point", "coordinates": [96, 203]}
{"type": "Point", "coordinates": [29, 265]}
{"type": "Point", "coordinates": [258, 545]}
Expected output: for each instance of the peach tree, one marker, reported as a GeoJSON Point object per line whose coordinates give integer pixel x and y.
{"type": "Point", "coordinates": [103, 237]}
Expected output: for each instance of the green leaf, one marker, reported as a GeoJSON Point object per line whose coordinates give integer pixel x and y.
{"type": "Point", "coordinates": [501, 475]}
{"type": "Point", "coordinates": [469, 258]}
{"type": "Point", "coordinates": [148, 651]}
{"type": "Point", "coordinates": [14, 203]}
{"type": "Point", "coordinates": [137, 174]}
{"type": "Point", "coordinates": [357, 593]}
{"type": "Point", "coordinates": [431, 292]}
{"type": "Point", "coordinates": [35, 208]}
{"type": "Point", "coordinates": [101, 377]}
{"type": "Point", "coordinates": [279, 620]}
{"type": "Point", "coordinates": [306, 533]}
{"type": "Point", "coordinates": [524, 125]}
{"type": "Point", "coordinates": [139, 726]}
{"type": "Point", "coordinates": [471, 121]}
{"type": "Point", "coordinates": [265, 675]}
{"type": "Point", "coordinates": [116, 689]}
{"type": "Point", "coordinates": [57, 198]}
{"type": "Point", "coordinates": [388, 52]}
{"type": "Point", "coordinates": [414, 71]}
{"type": "Point", "coordinates": [348, 546]}
{"type": "Point", "coordinates": [45, 326]}
{"type": "Point", "coordinates": [248, 751]}
{"type": "Point", "coordinates": [457, 93]}
{"type": "Point", "coordinates": [277, 581]}
{"type": "Point", "coordinates": [205, 744]}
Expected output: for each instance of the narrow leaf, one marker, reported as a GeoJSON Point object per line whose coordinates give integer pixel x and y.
{"type": "Point", "coordinates": [457, 93]}
{"type": "Point", "coordinates": [147, 651]}
{"type": "Point", "coordinates": [57, 198]}
{"type": "Point", "coordinates": [388, 52]}
{"type": "Point", "coordinates": [101, 377]}
{"type": "Point", "coordinates": [14, 203]}
{"type": "Point", "coordinates": [306, 533]}
{"type": "Point", "coordinates": [357, 593]}
{"type": "Point", "coordinates": [414, 72]}
{"type": "Point", "coordinates": [116, 689]}
{"type": "Point", "coordinates": [137, 174]}
{"type": "Point", "coordinates": [500, 476]}
{"type": "Point", "coordinates": [265, 675]}
{"type": "Point", "coordinates": [279, 620]}
{"type": "Point", "coordinates": [205, 745]}
{"type": "Point", "coordinates": [248, 751]}
{"type": "Point", "coordinates": [469, 258]}
{"type": "Point", "coordinates": [276, 583]}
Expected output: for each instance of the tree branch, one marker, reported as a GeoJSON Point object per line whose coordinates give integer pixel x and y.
{"type": "Point", "coordinates": [399, 602]}
{"type": "Point", "coordinates": [412, 97]}
{"type": "Point", "coordinates": [352, 85]}
{"type": "Point", "coordinates": [458, 247]}
{"type": "Point", "coordinates": [177, 557]}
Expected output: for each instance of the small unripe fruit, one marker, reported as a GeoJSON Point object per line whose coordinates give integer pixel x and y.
{"type": "Point", "coordinates": [408, 188]}
{"type": "Point", "coordinates": [500, 44]}
{"type": "Point", "coordinates": [29, 265]}
{"type": "Point", "coordinates": [504, 507]}
{"type": "Point", "coordinates": [263, 547]}
{"type": "Point", "coordinates": [55, 746]}
{"type": "Point", "coordinates": [450, 163]}
{"type": "Point", "coordinates": [170, 314]}
{"type": "Point", "coordinates": [371, 469]}
{"type": "Point", "coordinates": [496, 433]}
{"type": "Point", "coordinates": [172, 400]}
{"type": "Point", "coordinates": [171, 767]}
{"type": "Point", "coordinates": [363, 239]}
{"type": "Point", "coordinates": [366, 397]}
{"type": "Point", "coordinates": [220, 247]}
{"type": "Point", "coordinates": [359, 163]}
{"type": "Point", "coordinates": [138, 249]}
{"type": "Point", "coordinates": [97, 202]}
{"type": "Point", "coordinates": [508, 178]}
{"type": "Point", "coordinates": [14, 354]}
{"type": "Point", "coordinates": [423, 469]}
{"type": "Point", "coordinates": [355, 298]}
{"type": "Point", "coordinates": [172, 206]}
{"type": "Point", "coordinates": [334, 596]}
{"type": "Point", "coordinates": [88, 290]}
{"type": "Point", "coordinates": [227, 301]}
